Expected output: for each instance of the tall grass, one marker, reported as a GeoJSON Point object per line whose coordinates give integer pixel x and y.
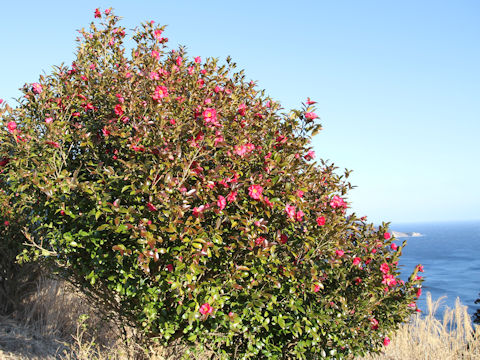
{"type": "Point", "coordinates": [59, 323]}
{"type": "Point", "coordinates": [426, 337]}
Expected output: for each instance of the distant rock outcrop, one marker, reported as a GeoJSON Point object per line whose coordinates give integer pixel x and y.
{"type": "Point", "coordinates": [399, 234]}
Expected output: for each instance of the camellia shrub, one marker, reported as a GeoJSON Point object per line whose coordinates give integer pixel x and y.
{"type": "Point", "coordinates": [16, 281]}
{"type": "Point", "coordinates": [183, 200]}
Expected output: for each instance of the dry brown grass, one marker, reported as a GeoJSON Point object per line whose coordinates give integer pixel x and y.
{"type": "Point", "coordinates": [51, 323]}
{"type": "Point", "coordinates": [57, 322]}
{"type": "Point", "coordinates": [427, 338]}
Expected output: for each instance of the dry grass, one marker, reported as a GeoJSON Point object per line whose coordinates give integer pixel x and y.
{"type": "Point", "coordinates": [59, 323]}
{"type": "Point", "coordinates": [53, 322]}
{"type": "Point", "coordinates": [427, 338]}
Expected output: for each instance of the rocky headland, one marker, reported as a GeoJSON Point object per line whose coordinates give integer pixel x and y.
{"type": "Point", "coordinates": [399, 234]}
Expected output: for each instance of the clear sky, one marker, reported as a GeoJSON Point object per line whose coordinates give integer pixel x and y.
{"type": "Point", "coordinates": [397, 82]}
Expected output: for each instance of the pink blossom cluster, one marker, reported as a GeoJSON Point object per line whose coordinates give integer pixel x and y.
{"type": "Point", "coordinates": [338, 202]}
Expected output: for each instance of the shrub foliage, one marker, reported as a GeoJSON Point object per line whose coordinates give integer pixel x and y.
{"type": "Point", "coordinates": [179, 196]}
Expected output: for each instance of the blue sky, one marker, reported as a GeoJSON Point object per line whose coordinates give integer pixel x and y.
{"type": "Point", "coordinates": [397, 83]}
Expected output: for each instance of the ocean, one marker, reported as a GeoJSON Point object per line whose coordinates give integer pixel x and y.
{"type": "Point", "coordinates": [450, 254]}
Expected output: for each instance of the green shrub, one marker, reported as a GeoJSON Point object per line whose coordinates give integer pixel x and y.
{"type": "Point", "coordinates": [180, 197]}
{"type": "Point", "coordinates": [17, 281]}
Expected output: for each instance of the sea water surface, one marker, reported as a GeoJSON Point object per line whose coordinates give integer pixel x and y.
{"type": "Point", "coordinates": [450, 254]}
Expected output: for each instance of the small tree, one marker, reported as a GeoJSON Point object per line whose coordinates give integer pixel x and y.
{"type": "Point", "coordinates": [183, 200]}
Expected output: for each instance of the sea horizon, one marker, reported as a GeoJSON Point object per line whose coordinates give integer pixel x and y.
{"type": "Point", "coordinates": [450, 254]}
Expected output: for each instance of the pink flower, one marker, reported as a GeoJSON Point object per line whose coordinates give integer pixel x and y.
{"type": "Point", "coordinates": [374, 323]}
{"type": "Point", "coordinates": [339, 253]}
{"type": "Point", "coordinates": [255, 192]}
{"type": "Point", "coordinates": [420, 268]}
{"type": "Point", "coordinates": [300, 193]}
{"type": "Point", "coordinates": [242, 109]}
{"type": "Point", "coordinates": [337, 202]}
{"type": "Point", "coordinates": [53, 143]}
{"type": "Point", "coordinates": [157, 34]}
{"type": "Point", "coordinates": [240, 150]}
{"type": "Point", "coordinates": [310, 102]}
{"type": "Point", "coordinates": [310, 155]}
{"type": "Point", "coordinates": [283, 239]}
{"type": "Point", "coordinates": [206, 309]}
{"type": "Point", "coordinates": [394, 246]}
{"type": "Point", "coordinates": [120, 98]}
{"type": "Point", "coordinates": [386, 236]}
{"type": "Point", "coordinates": [268, 202]}
{"type": "Point", "coordinates": [198, 60]}
{"type": "Point", "coordinates": [151, 207]}
{"type": "Point", "coordinates": [221, 202]}
{"type": "Point", "coordinates": [210, 184]}
{"type": "Point", "coordinates": [232, 196]}
{"type": "Point", "coordinates": [316, 288]}
{"type": "Point", "coordinates": [384, 268]}
{"type": "Point", "coordinates": [389, 280]}
{"type": "Point", "coordinates": [259, 241]}
{"type": "Point", "coordinates": [210, 115]}
{"type": "Point", "coordinates": [37, 88]}
{"type": "Point", "coordinates": [97, 13]}
{"type": "Point", "coordinates": [311, 116]}
{"type": "Point", "coordinates": [250, 147]}
{"type": "Point", "coordinates": [198, 210]}
{"type": "Point", "coordinates": [356, 261]}
{"type": "Point", "coordinates": [419, 292]}
{"type": "Point", "coordinates": [321, 220]}
{"type": "Point", "coordinates": [107, 11]}
{"type": "Point", "coordinates": [1, 101]}
{"type": "Point", "coordinates": [218, 139]}
{"type": "Point", "coordinates": [118, 109]}
{"type": "Point", "coordinates": [11, 126]}
{"type": "Point", "coordinates": [160, 93]}
{"type": "Point", "coordinates": [290, 210]}
{"type": "Point", "coordinates": [137, 148]}
{"type": "Point", "coordinates": [299, 215]}
{"type": "Point", "coordinates": [155, 54]}
{"type": "Point", "coordinates": [154, 75]}
{"type": "Point", "coordinates": [179, 61]}
{"type": "Point", "coordinates": [386, 341]}
{"type": "Point", "coordinates": [169, 267]}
